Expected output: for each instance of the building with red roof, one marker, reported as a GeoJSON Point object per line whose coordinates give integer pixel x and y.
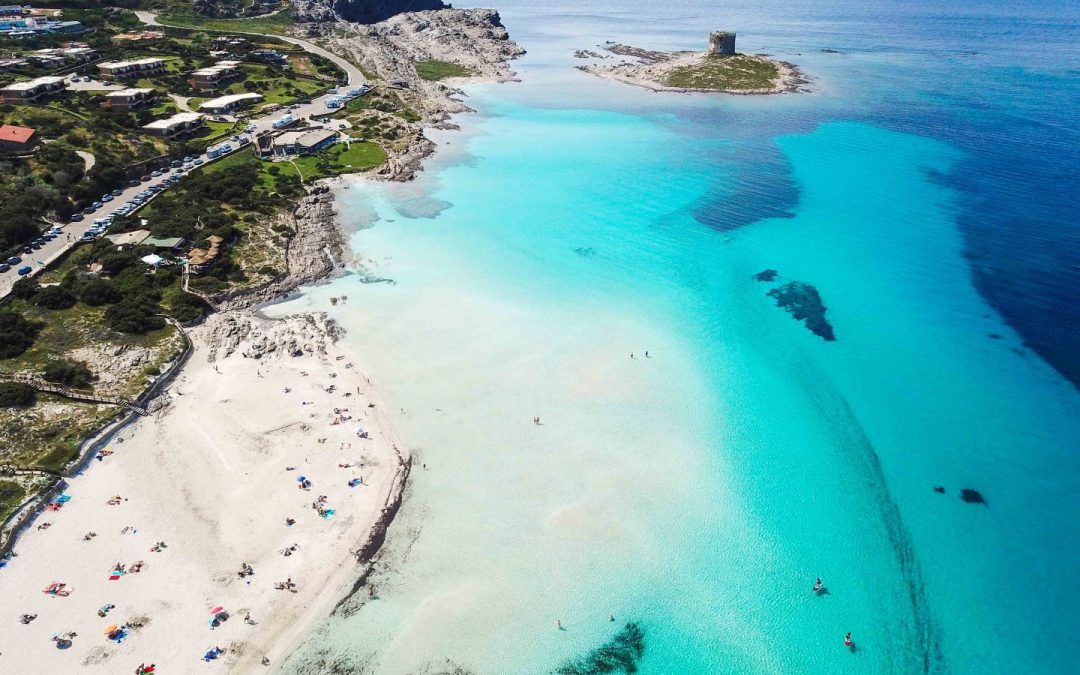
{"type": "Point", "coordinates": [17, 139]}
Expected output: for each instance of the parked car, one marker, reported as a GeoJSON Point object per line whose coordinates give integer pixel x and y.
{"type": "Point", "coordinates": [97, 205]}
{"type": "Point", "coordinates": [76, 217]}
{"type": "Point", "coordinates": [14, 260]}
{"type": "Point", "coordinates": [86, 79]}
{"type": "Point", "coordinates": [89, 209]}
{"type": "Point", "coordinates": [24, 270]}
{"type": "Point", "coordinates": [133, 183]}
{"type": "Point", "coordinates": [117, 193]}
{"type": "Point", "coordinates": [106, 198]}
{"type": "Point", "coordinates": [146, 178]}
{"type": "Point", "coordinates": [4, 267]}
{"type": "Point", "coordinates": [199, 161]}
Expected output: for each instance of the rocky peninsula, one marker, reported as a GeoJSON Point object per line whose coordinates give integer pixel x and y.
{"type": "Point", "coordinates": [718, 69]}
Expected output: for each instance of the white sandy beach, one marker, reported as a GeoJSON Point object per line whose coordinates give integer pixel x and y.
{"type": "Point", "coordinates": [209, 475]}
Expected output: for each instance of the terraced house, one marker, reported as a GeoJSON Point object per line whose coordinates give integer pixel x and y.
{"type": "Point", "coordinates": [128, 99]}
{"type": "Point", "coordinates": [180, 124]}
{"type": "Point", "coordinates": [32, 91]}
{"type": "Point", "coordinates": [230, 103]}
{"type": "Point", "coordinates": [17, 139]}
{"type": "Point", "coordinates": [216, 75]}
{"type": "Point", "coordinates": [145, 37]}
{"type": "Point", "coordinates": [122, 70]}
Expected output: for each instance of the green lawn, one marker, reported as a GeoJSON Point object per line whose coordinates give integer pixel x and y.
{"type": "Point", "coordinates": [739, 72]}
{"type": "Point", "coordinates": [275, 24]}
{"type": "Point", "coordinates": [337, 159]}
{"type": "Point", "coordinates": [359, 156]}
{"type": "Point", "coordinates": [215, 130]}
{"type": "Point", "coordinates": [434, 69]}
{"type": "Point", "coordinates": [276, 86]}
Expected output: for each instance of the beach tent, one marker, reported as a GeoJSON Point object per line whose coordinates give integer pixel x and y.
{"type": "Point", "coordinates": [153, 259]}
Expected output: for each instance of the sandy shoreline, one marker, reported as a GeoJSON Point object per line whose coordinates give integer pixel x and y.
{"type": "Point", "coordinates": [213, 474]}
{"type": "Point", "coordinates": [209, 476]}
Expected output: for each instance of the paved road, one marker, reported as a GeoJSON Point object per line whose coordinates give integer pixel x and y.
{"type": "Point", "coordinates": [356, 78]}
{"type": "Point", "coordinates": [88, 160]}
{"type": "Point", "coordinates": [52, 250]}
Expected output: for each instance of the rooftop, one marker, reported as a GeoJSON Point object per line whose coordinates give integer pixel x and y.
{"type": "Point", "coordinates": [36, 82]}
{"type": "Point", "coordinates": [216, 68]}
{"type": "Point", "coordinates": [130, 91]}
{"type": "Point", "coordinates": [136, 62]}
{"type": "Point", "coordinates": [231, 98]}
{"type": "Point", "coordinates": [14, 134]}
{"type": "Point", "coordinates": [162, 242]}
{"type": "Point", "coordinates": [178, 118]}
{"type": "Point", "coordinates": [129, 238]}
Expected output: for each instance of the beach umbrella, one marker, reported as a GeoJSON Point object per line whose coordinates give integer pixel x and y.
{"type": "Point", "coordinates": [111, 629]}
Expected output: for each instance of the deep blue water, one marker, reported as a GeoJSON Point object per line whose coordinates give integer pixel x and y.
{"type": "Point", "coordinates": [997, 80]}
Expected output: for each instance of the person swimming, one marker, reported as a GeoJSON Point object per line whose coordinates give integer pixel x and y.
{"type": "Point", "coordinates": [818, 585]}
{"type": "Point", "coordinates": [847, 640]}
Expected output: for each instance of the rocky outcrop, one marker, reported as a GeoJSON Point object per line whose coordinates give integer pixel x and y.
{"type": "Point", "coordinates": [472, 38]}
{"type": "Point", "coordinates": [318, 245]}
{"type": "Point", "coordinates": [804, 303]}
{"type": "Point", "coordinates": [688, 71]}
{"type": "Point", "coordinates": [255, 337]}
{"type": "Point", "coordinates": [315, 251]}
{"type": "Point", "coordinates": [359, 11]}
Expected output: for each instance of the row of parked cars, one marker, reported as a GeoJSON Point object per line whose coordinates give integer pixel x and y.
{"type": "Point", "coordinates": [100, 225]}
{"type": "Point", "coordinates": [16, 259]}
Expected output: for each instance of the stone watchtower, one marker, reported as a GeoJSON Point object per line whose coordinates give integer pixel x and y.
{"type": "Point", "coordinates": [721, 43]}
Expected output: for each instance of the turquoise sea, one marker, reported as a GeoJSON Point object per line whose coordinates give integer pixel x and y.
{"type": "Point", "coordinates": [673, 512]}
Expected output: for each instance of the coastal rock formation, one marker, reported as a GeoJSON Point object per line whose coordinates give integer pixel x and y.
{"type": "Point", "coordinates": [719, 69]}
{"type": "Point", "coordinates": [620, 655]}
{"type": "Point", "coordinates": [472, 38]}
{"type": "Point", "coordinates": [804, 303]}
{"type": "Point", "coordinates": [972, 496]}
{"type": "Point", "coordinates": [255, 337]}
{"type": "Point", "coordinates": [316, 249]}
{"type": "Point", "coordinates": [359, 11]}
{"type": "Point", "coordinates": [318, 244]}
